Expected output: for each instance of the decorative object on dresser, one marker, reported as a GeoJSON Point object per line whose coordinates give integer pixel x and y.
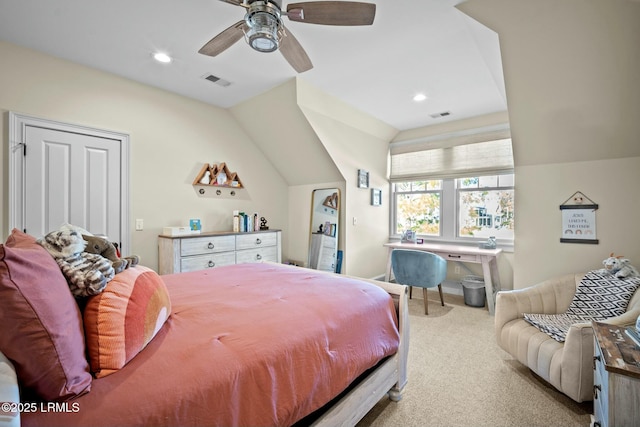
{"type": "Point", "coordinates": [566, 365]}
{"type": "Point", "coordinates": [178, 254]}
{"type": "Point", "coordinates": [616, 388]}
{"type": "Point", "coordinates": [263, 223]}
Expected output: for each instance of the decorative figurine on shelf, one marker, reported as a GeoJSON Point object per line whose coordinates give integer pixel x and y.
{"type": "Point", "coordinates": [222, 178]}
{"type": "Point", "coordinates": [206, 179]}
{"type": "Point", "coordinates": [320, 229]}
{"type": "Point", "coordinates": [263, 223]}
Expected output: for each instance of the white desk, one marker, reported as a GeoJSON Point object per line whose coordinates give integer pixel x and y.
{"type": "Point", "coordinates": [486, 257]}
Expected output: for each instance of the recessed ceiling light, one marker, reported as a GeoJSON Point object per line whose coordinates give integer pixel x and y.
{"type": "Point", "coordinates": [419, 97]}
{"type": "Point", "coordinates": [162, 57]}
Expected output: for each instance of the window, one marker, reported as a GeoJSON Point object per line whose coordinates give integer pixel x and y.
{"type": "Point", "coordinates": [485, 207]}
{"type": "Point", "coordinates": [471, 208]}
{"type": "Point", "coordinates": [418, 207]}
{"type": "Point", "coordinates": [457, 186]}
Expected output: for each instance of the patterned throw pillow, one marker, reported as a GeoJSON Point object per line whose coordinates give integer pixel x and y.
{"type": "Point", "coordinates": [602, 295]}
{"type": "Point", "coordinates": [599, 296]}
{"type": "Point", "coordinates": [122, 320]}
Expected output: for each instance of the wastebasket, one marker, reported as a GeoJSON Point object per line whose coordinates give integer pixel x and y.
{"type": "Point", "coordinates": [473, 291]}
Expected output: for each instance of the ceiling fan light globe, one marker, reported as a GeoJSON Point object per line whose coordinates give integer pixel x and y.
{"type": "Point", "coordinates": [263, 39]}
{"type": "Point", "coordinates": [263, 22]}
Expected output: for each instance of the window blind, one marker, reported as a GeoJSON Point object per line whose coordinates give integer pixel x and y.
{"type": "Point", "coordinates": [452, 157]}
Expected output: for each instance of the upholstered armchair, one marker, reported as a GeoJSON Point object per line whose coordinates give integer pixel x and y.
{"type": "Point", "coordinates": [568, 365]}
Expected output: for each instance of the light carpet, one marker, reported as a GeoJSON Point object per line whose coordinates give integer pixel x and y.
{"type": "Point", "coordinates": [458, 376]}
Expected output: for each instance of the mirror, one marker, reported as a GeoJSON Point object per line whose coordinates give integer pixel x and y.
{"type": "Point", "coordinates": [323, 242]}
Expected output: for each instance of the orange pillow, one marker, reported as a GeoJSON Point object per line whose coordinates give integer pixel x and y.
{"type": "Point", "coordinates": [122, 320]}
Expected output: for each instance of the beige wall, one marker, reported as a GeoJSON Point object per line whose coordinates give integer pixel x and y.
{"type": "Point", "coordinates": [171, 137]}
{"type": "Point", "coordinates": [571, 74]}
{"type": "Point", "coordinates": [354, 141]}
{"type": "Point", "coordinates": [609, 183]}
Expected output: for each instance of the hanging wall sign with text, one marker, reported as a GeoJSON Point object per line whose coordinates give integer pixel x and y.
{"type": "Point", "coordinates": [579, 220]}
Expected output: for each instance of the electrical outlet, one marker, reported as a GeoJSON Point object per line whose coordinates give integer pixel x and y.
{"type": "Point", "coordinates": [139, 224]}
{"type": "Point", "coordinates": [456, 269]}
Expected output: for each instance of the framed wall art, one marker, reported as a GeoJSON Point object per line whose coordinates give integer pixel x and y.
{"type": "Point", "coordinates": [579, 220]}
{"type": "Point", "coordinates": [363, 178]}
{"type": "Point", "coordinates": [376, 197]}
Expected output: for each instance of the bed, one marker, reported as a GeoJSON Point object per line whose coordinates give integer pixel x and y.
{"type": "Point", "coordinates": [249, 344]}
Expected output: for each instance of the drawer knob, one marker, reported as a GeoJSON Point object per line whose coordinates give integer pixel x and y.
{"type": "Point", "coordinates": [210, 245]}
{"type": "Point", "coordinates": [454, 256]}
{"type": "Point", "coordinates": [211, 264]}
{"type": "Point", "coordinates": [258, 257]}
{"type": "Point", "coordinates": [258, 241]}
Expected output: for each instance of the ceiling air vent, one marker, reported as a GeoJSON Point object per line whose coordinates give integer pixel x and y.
{"type": "Point", "coordinates": [438, 115]}
{"type": "Point", "coordinates": [217, 80]}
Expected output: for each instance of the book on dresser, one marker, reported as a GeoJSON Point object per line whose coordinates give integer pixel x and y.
{"type": "Point", "coordinates": [179, 254]}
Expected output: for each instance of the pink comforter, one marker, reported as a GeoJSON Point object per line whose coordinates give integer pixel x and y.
{"type": "Point", "coordinates": [247, 345]}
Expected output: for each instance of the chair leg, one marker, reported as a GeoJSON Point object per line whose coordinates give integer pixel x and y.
{"type": "Point", "coordinates": [440, 290]}
{"type": "Point", "coordinates": [410, 291]}
{"type": "Point", "coordinates": [426, 304]}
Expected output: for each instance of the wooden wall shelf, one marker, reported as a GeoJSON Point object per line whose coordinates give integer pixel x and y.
{"type": "Point", "coordinates": [231, 187]}
{"type": "Point", "coordinates": [229, 179]}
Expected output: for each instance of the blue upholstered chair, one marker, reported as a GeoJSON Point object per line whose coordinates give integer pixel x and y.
{"type": "Point", "coordinates": [419, 268]}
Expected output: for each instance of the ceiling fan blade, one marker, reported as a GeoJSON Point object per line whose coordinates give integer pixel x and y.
{"type": "Point", "coordinates": [234, 2]}
{"type": "Point", "coordinates": [224, 40]}
{"type": "Point", "coordinates": [294, 53]}
{"type": "Point", "coordinates": [332, 12]}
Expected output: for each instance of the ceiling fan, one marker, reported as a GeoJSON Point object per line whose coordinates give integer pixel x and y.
{"type": "Point", "coordinates": [263, 29]}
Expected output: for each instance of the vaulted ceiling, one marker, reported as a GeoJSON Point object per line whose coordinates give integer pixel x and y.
{"type": "Point", "coordinates": [413, 46]}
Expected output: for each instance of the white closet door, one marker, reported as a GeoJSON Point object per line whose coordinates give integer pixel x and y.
{"type": "Point", "coordinates": [72, 177]}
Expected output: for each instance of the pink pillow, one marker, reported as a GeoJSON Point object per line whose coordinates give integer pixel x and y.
{"type": "Point", "coordinates": [121, 320]}
{"type": "Point", "coordinates": [40, 323]}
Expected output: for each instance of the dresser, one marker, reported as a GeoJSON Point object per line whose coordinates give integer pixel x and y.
{"type": "Point", "coordinates": [323, 251]}
{"type": "Point", "coordinates": [179, 254]}
{"type": "Point", "coordinates": [616, 378]}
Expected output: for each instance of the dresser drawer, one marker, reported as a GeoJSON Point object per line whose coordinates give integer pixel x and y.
{"type": "Point", "coordinates": [201, 262]}
{"type": "Point", "coordinates": [257, 240]}
{"type": "Point", "coordinates": [329, 242]}
{"type": "Point", "coordinates": [268, 253]}
{"type": "Point", "coordinates": [207, 245]}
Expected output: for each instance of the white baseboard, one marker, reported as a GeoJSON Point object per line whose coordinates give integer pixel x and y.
{"type": "Point", "coordinates": [452, 287]}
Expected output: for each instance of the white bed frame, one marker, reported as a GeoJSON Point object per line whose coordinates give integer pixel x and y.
{"type": "Point", "coordinates": [389, 377]}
